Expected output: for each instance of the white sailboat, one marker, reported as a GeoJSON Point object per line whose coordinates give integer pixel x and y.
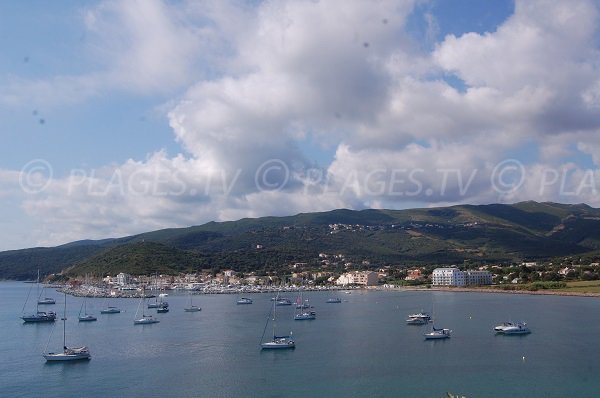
{"type": "Point", "coordinates": [85, 317]}
{"type": "Point", "coordinates": [192, 307]}
{"type": "Point", "coordinates": [68, 353]}
{"type": "Point", "coordinates": [436, 333]}
{"type": "Point", "coordinates": [44, 300]}
{"type": "Point", "coordinates": [277, 342]}
{"type": "Point", "coordinates": [145, 319]}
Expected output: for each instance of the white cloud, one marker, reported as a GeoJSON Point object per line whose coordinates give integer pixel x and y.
{"type": "Point", "coordinates": [344, 74]}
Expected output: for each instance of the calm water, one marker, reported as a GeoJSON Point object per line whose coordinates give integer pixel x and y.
{"type": "Point", "coordinates": [359, 348]}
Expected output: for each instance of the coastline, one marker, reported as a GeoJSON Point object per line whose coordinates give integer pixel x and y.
{"type": "Point", "coordinates": [545, 292]}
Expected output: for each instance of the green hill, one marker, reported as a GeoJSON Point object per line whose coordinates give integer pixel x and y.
{"type": "Point", "coordinates": [445, 235]}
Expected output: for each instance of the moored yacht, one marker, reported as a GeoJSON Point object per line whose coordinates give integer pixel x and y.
{"type": "Point", "coordinates": [519, 328]}
{"type": "Point", "coordinates": [437, 334]}
{"type": "Point", "coordinates": [40, 316]}
{"type": "Point", "coordinates": [110, 310]}
{"type": "Point", "coordinates": [416, 321]}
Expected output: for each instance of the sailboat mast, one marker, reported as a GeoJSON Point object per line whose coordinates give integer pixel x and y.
{"type": "Point", "coordinates": [65, 324]}
{"type": "Point", "coordinates": [37, 292]}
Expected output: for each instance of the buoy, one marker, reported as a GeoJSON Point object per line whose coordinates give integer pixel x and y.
{"type": "Point", "coordinates": [523, 358]}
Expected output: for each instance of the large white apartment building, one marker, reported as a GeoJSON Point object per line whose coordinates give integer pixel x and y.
{"type": "Point", "coordinates": [452, 276]}
{"type": "Point", "coordinates": [366, 278]}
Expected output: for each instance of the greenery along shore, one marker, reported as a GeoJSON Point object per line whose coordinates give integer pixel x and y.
{"type": "Point", "coordinates": [553, 235]}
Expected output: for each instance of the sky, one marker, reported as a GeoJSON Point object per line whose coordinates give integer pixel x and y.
{"type": "Point", "coordinates": [121, 117]}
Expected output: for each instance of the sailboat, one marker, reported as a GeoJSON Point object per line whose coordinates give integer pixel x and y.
{"type": "Point", "coordinates": [277, 342]}
{"type": "Point", "coordinates": [68, 353]}
{"type": "Point", "coordinates": [85, 317]}
{"type": "Point", "coordinates": [145, 319]}
{"type": "Point", "coordinates": [110, 309]}
{"type": "Point", "coordinates": [38, 316]}
{"type": "Point", "coordinates": [45, 300]}
{"type": "Point", "coordinates": [305, 312]}
{"type": "Point", "coordinates": [192, 307]}
{"type": "Point", "coordinates": [436, 333]}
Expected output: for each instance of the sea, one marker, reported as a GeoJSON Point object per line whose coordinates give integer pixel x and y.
{"type": "Point", "coordinates": [361, 347]}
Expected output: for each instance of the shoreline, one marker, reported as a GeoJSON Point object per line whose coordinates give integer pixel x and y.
{"type": "Point", "coordinates": [547, 292]}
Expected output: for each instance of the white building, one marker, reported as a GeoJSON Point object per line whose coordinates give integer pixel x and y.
{"type": "Point", "coordinates": [366, 278]}
{"type": "Point", "coordinates": [123, 279]}
{"type": "Point", "coordinates": [452, 276]}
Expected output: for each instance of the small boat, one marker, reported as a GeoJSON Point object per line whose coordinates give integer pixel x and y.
{"type": "Point", "coordinates": [277, 342]}
{"type": "Point", "coordinates": [110, 310]}
{"type": "Point", "coordinates": [68, 353]}
{"type": "Point", "coordinates": [162, 308]}
{"type": "Point", "coordinates": [37, 316]}
{"type": "Point", "coordinates": [45, 300]}
{"type": "Point", "coordinates": [519, 328]}
{"type": "Point", "coordinates": [334, 300]}
{"type": "Point", "coordinates": [192, 307]}
{"type": "Point", "coordinates": [304, 314]}
{"type": "Point", "coordinates": [503, 325]}
{"type": "Point", "coordinates": [145, 319]}
{"type": "Point", "coordinates": [40, 316]}
{"type": "Point", "coordinates": [416, 321]}
{"type": "Point", "coordinates": [421, 315]}
{"type": "Point", "coordinates": [437, 334]}
{"type": "Point", "coordinates": [283, 301]}
{"type": "Point", "coordinates": [85, 317]}
{"type": "Point", "coordinates": [244, 300]}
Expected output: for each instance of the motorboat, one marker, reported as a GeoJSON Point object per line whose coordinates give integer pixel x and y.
{"type": "Point", "coordinates": [283, 301]}
{"type": "Point", "coordinates": [416, 321]}
{"type": "Point", "coordinates": [421, 315]}
{"type": "Point", "coordinates": [244, 300]}
{"type": "Point", "coordinates": [110, 310]}
{"type": "Point", "coordinates": [437, 334]}
{"type": "Point", "coordinates": [503, 325]}
{"type": "Point", "coordinates": [334, 300]}
{"type": "Point", "coordinates": [519, 328]}
{"type": "Point", "coordinates": [306, 315]}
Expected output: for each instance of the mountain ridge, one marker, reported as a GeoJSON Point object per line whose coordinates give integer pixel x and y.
{"type": "Point", "coordinates": [441, 235]}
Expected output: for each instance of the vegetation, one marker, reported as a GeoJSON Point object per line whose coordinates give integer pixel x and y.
{"type": "Point", "coordinates": [466, 235]}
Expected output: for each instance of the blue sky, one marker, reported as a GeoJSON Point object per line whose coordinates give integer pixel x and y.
{"type": "Point", "coordinates": [157, 114]}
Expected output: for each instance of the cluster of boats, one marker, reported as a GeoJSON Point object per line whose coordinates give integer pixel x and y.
{"type": "Point", "coordinates": [422, 318]}
{"type": "Point", "coordinates": [305, 311]}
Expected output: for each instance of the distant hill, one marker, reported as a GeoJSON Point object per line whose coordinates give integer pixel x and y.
{"type": "Point", "coordinates": [444, 235]}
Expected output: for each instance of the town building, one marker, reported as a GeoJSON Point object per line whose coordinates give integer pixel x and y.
{"type": "Point", "coordinates": [452, 276]}
{"type": "Point", "coordinates": [365, 278]}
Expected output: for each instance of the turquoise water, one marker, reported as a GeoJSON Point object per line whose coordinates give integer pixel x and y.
{"type": "Point", "coordinates": [359, 348]}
